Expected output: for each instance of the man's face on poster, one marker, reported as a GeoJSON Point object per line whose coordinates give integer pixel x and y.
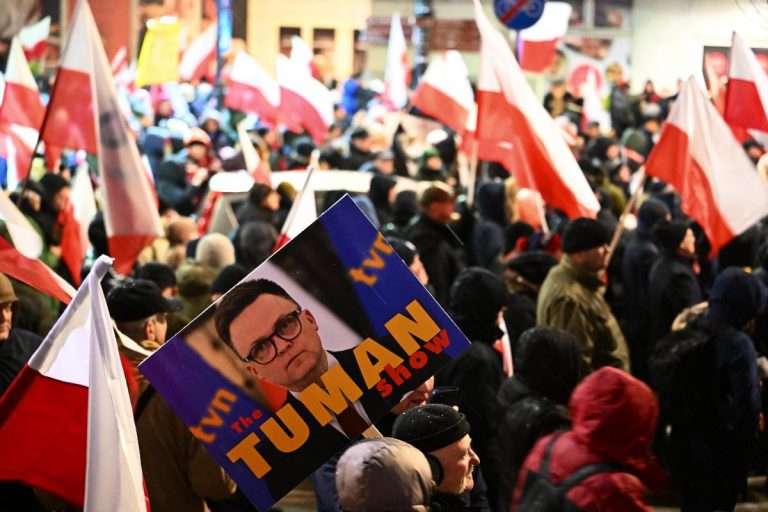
{"type": "Point", "coordinates": [297, 362]}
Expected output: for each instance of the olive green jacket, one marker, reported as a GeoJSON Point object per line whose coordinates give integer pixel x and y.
{"type": "Point", "coordinates": [571, 298]}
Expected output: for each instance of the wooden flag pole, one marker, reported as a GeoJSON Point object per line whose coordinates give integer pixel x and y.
{"type": "Point", "coordinates": [628, 208]}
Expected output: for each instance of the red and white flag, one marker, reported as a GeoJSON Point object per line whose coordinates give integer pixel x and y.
{"type": "Point", "coordinates": [255, 167]}
{"type": "Point", "coordinates": [252, 89]}
{"type": "Point", "coordinates": [121, 69]}
{"type": "Point", "coordinates": [34, 38]}
{"type": "Point", "coordinates": [398, 71]}
{"type": "Point", "coordinates": [537, 44]}
{"type": "Point", "coordinates": [698, 155]}
{"type": "Point", "coordinates": [74, 219]}
{"type": "Point", "coordinates": [746, 101]}
{"type": "Point", "coordinates": [594, 110]}
{"type": "Point", "coordinates": [444, 92]}
{"type": "Point", "coordinates": [302, 56]}
{"type": "Point", "coordinates": [26, 239]}
{"type": "Point", "coordinates": [33, 272]}
{"type": "Point", "coordinates": [66, 424]}
{"type": "Point", "coordinates": [509, 113]}
{"type": "Point", "coordinates": [90, 118]}
{"type": "Point", "coordinates": [21, 114]}
{"type": "Point", "coordinates": [196, 61]}
{"type": "Point", "coordinates": [302, 213]}
{"type": "Point", "coordinates": [304, 101]}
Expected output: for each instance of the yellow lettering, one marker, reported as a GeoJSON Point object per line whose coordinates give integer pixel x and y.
{"type": "Point", "coordinates": [221, 396]}
{"type": "Point", "coordinates": [339, 385]}
{"type": "Point", "coordinates": [403, 329]}
{"type": "Point", "coordinates": [246, 451]}
{"type": "Point", "coordinates": [384, 357]}
{"type": "Point", "coordinates": [359, 275]}
{"type": "Point", "coordinates": [375, 261]}
{"type": "Point", "coordinates": [382, 245]}
{"type": "Point", "coordinates": [202, 435]}
{"type": "Point", "coordinates": [297, 434]}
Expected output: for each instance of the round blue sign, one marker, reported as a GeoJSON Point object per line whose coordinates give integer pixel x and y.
{"type": "Point", "coordinates": [518, 14]}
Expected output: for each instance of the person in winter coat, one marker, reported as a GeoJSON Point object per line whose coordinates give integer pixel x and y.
{"type": "Point", "coordinates": [712, 455]}
{"type": "Point", "coordinates": [382, 194]}
{"type": "Point", "coordinates": [383, 475]}
{"type": "Point", "coordinates": [672, 285]}
{"type": "Point", "coordinates": [477, 299]}
{"type": "Point", "coordinates": [533, 402]}
{"type": "Point", "coordinates": [572, 297]}
{"type": "Point", "coordinates": [438, 246]}
{"type": "Point", "coordinates": [262, 205]}
{"type": "Point", "coordinates": [639, 256]}
{"type": "Point", "coordinates": [488, 235]}
{"type": "Point", "coordinates": [614, 420]}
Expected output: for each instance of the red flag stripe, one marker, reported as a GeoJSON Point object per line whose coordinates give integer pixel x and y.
{"type": "Point", "coordinates": [671, 161]}
{"type": "Point", "coordinates": [436, 103]}
{"type": "Point", "coordinates": [21, 105]}
{"type": "Point", "coordinates": [743, 105]}
{"type": "Point", "coordinates": [59, 433]}
{"type": "Point", "coordinates": [71, 122]}
{"type": "Point", "coordinates": [297, 108]}
{"type": "Point", "coordinates": [247, 98]}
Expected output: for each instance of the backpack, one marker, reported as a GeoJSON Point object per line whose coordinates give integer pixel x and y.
{"type": "Point", "coordinates": [541, 495]}
{"type": "Point", "coordinates": [679, 373]}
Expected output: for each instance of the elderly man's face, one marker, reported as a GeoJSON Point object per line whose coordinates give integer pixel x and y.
{"type": "Point", "coordinates": [458, 461]}
{"type": "Point", "coordinates": [298, 362]}
{"type": "Point", "coordinates": [6, 316]}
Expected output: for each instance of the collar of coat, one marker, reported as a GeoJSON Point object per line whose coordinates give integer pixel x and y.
{"type": "Point", "coordinates": [583, 276]}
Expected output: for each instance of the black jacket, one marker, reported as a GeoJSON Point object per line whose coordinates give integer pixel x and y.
{"type": "Point", "coordinates": [440, 252]}
{"type": "Point", "coordinates": [639, 257]}
{"type": "Point", "coordinates": [672, 288]}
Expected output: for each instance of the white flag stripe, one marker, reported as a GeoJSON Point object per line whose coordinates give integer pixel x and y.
{"type": "Point", "coordinates": [113, 466]}
{"type": "Point", "coordinates": [26, 240]}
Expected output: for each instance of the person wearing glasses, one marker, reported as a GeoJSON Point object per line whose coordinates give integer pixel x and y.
{"type": "Point", "coordinates": [279, 342]}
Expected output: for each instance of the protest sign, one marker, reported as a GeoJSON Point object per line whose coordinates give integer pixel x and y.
{"type": "Point", "coordinates": [335, 329]}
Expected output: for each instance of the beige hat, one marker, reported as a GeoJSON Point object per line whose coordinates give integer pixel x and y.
{"type": "Point", "coordinates": [6, 290]}
{"type": "Point", "coordinates": [385, 474]}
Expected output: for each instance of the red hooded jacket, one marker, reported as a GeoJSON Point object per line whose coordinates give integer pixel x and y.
{"type": "Point", "coordinates": [614, 420]}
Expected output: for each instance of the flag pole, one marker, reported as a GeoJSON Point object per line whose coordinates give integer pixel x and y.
{"type": "Point", "coordinates": [628, 208]}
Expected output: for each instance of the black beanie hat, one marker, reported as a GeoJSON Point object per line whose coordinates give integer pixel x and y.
{"type": "Point", "coordinates": [669, 234]}
{"type": "Point", "coordinates": [227, 278]}
{"type": "Point", "coordinates": [584, 233]}
{"type": "Point", "coordinates": [430, 427]}
{"type": "Point", "coordinates": [405, 249]}
{"type": "Point", "coordinates": [532, 266]}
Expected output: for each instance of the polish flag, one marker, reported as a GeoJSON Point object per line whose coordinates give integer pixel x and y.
{"type": "Point", "coordinates": [397, 73]}
{"type": "Point", "coordinates": [302, 213]}
{"type": "Point", "coordinates": [537, 44]}
{"type": "Point", "coordinates": [121, 69]}
{"type": "Point", "coordinates": [594, 110]}
{"type": "Point", "coordinates": [24, 236]}
{"type": "Point", "coordinates": [304, 102]}
{"type": "Point", "coordinates": [34, 38]}
{"type": "Point", "coordinates": [256, 168]}
{"type": "Point", "coordinates": [509, 113]}
{"type": "Point", "coordinates": [66, 424]}
{"type": "Point", "coordinates": [21, 115]}
{"type": "Point", "coordinates": [746, 102]}
{"type": "Point", "coordinates": [196, 61]}
{"type": "Point", "coordinates": [101, 128]}
{"type": "Point", "coordinates": [444, 92]}
{"type": "Point", "coordinates": [33, 272]}
{"type": "Point", "coordinates": [74, 219]}
{"type": "Point", "coordinates": [698, 155]}
{"type": "Point", "coordinates": [302, 56]}
{"type": "Point", "coordinates": [252, 89]}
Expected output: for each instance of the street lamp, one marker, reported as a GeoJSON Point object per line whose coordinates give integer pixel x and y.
{"type": "Point", "coordinates": [425, 19]}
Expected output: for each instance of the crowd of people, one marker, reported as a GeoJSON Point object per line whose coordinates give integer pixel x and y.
{"type": "Point", "coordinates": [594, 408]}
